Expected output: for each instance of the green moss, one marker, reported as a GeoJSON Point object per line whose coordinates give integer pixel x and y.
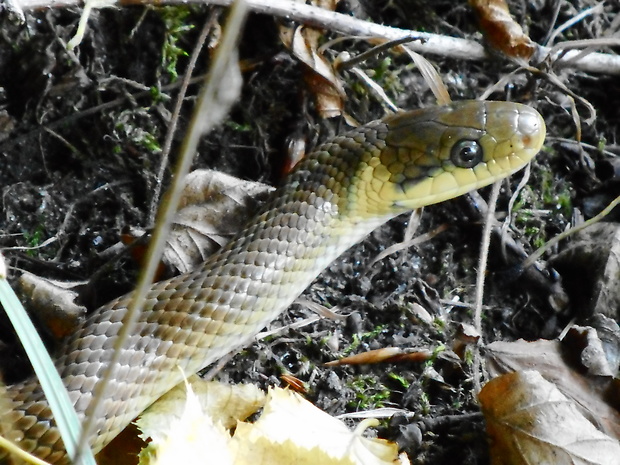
{"type": "Point", "coordinates": [238, 127]}
{"type": "Point", "coordinates": [425, 404]}
{"type": "Point", "coordinates": [137, 127]}
{"type": "Point", "coordinates": [439, 324]}
{"type": "Point", "coordinates": [175, 20]}
{"type": "Point", "coordinates": [403, 382]}
{"type": "Point", "coordinates": [34, 239]}
{"type": "Point", "coordinates": [388, 75]}
{"type": "Point", "coordinates": [369, 393]}
{"type": "Point", "coordinates": [468, 357]}
{"type": "Point", "coordinates": [554, 193]}
{"type": "Point", "coordinates": [544, 206]}
{"type": "Point", "coordinates": [357, 340]}
{"type": "Point", "coordinates": [382, 70]}
{"type": "Point", "coordinates": [150, 143]}
{"type": "Point", "coordinates": [436, 352]}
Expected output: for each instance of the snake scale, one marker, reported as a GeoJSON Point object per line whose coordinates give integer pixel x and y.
{"type": "Point", "coordinates": [333, 199]}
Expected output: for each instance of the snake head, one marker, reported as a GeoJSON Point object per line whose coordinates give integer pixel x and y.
{"type": "Point", "coordinates": [438, 153]}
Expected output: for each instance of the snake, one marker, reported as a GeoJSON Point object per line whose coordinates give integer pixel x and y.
{"type": "Point", "coordinates": [332, 199]}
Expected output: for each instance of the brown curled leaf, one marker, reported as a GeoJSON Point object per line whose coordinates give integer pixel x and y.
{"type": "Point", "coordinates": [384, 355]}
{"type": "Point", "coordinates": [294, 383]}
{"type": "Point", "coordinates": [295, 151]}
{"type": "Point", "coordinates": [501, 30]}
{"type": "Point", "coordinates": [594, 395]}
{"type": "Point", "coordinates": [213, 207]}
{"type": "Point", "coordinates": [530, 421]}
{"type": "Point", "coordinates": [466, 336]}
{"type": "Point", "coordinates": [319, 74]}
{"type": "Point", "coordinates": [54, 303]}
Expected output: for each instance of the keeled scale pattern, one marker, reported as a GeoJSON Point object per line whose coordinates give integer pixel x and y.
{"type": "Point", "coordinates": [333, 199]}
{"type": "Point", "coordinates": [194, 319]}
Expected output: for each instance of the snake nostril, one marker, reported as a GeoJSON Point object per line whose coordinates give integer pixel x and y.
{"type": "Point", "coordinates": [530, 122]}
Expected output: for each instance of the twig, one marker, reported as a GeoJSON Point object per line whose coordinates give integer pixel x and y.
{"type": "Point", "coordinates": [574, 20]}
{"type": "Point", "coordinates": [555, 240]}
{"type": "Point", "coordinates": [513, 199]}
{"type": "Point", "coordinates": [481, 274]}
{"type": "Point", "coordinates": [218, 101]}
{"type": "Point", "coordinates": [174, 120]}
{"type": "Point", "coordinates": [434, 44]}
{"type": "Point", "coordinates": [65, 121]}
{"type": "Point", "coordinates": [532, 276]}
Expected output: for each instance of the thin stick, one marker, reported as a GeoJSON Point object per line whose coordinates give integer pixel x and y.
{"type": "Point", "coordinates": [174, 120]}
{"type": "Point", "coordinates": [554, 241]}
{"type": "Point", "coordinates": [435, 44]}
{"type": "Point", "coordinates": [480, 277]}
{"type": "Point", "coordinates": [220, 91]}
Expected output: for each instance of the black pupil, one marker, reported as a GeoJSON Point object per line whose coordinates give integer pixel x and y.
{"type": "Point", "coordinates": [466, 153]}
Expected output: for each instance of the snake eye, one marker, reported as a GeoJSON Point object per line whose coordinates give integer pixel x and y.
{"type": "Point", "coordinates": [466, 153]}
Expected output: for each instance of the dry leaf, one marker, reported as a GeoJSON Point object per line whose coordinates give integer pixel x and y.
{"type": "Point", "coordinates": [292, 430]}
{"type": "Point", "coordinates": [225, 404]}
{"type": "Point", "coordinates": [186, 428]}
{"type": "Point", "coordinates": [384, 355]}
{"type": "Point", "coordinates": [319, 73]}
{"type": "Point", "coordinates": [294, 383]}
{"type": "Point", "coordinates": [590, 267]}
{"type": "Point", "coordinates": [529, 421]}
{"type": "Point", "coordinates": [214, 206]}
{"type": "Point", "coordinates": [599, 357]}
{"type": "Point", "coordinates": [501, 30]}
{"type": "Point", "coordinates": [590, 393]}
{"type": "Point", "coordinates": [184, 439]}
{"type": "Point", "coordinates": [295, 151]}
{"type": "Point", "coordinates": [53, 302]}
{"type": "Point", "coordinates": [431, 77]}
{"type": "Point", "coordinates": [466, 336]}
{"type": "Point", "coordinates": [418, 314]}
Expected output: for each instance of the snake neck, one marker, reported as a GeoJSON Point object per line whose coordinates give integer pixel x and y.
{"type": "Point", "coordinates": [317, 215]}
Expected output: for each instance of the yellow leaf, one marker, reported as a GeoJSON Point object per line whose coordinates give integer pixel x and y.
{"type": "Point", "coordinates": [186, 429]}
{"type": "Point", "coordinates": [185, 440]}
{"type": "Point", "coordinates": [292, 430]}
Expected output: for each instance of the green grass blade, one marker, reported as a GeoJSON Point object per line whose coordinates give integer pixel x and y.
{"type": "Point", "coordinates": [57, 396]}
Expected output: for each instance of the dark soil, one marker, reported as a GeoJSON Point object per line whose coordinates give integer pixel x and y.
{"type": "Point", "coordinates": [82, 177]}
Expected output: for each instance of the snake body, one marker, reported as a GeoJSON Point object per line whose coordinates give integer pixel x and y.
{"type": "Point", "coordinates": [332, 200]}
